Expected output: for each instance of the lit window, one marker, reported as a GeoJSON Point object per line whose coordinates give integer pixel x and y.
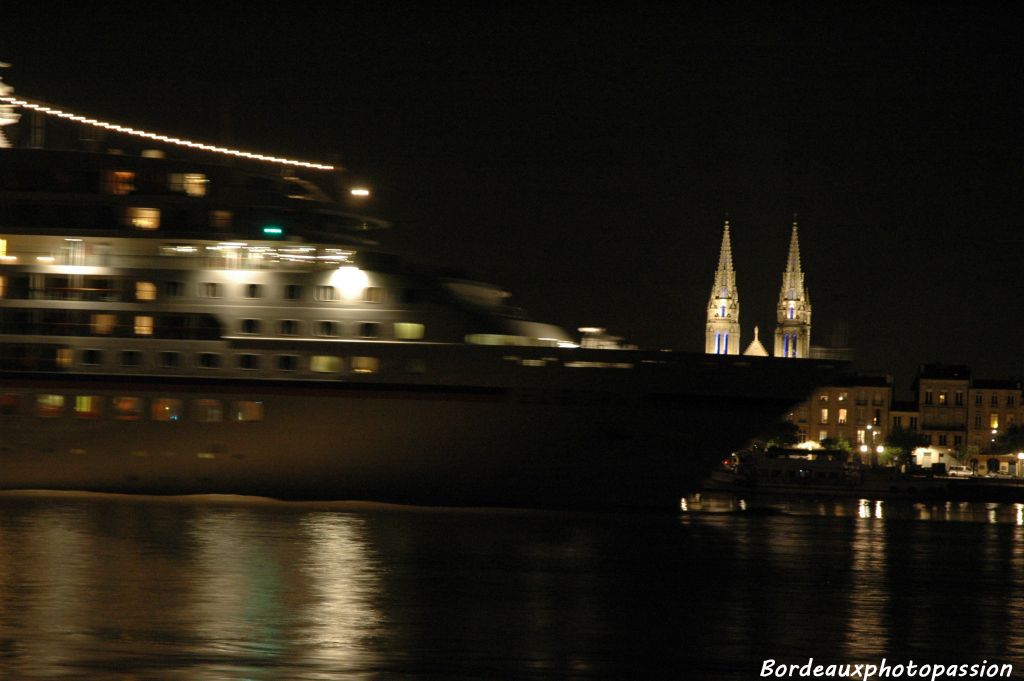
{"type": "Point", "coordinates": [824, 416]}
{"type": "Point", "coordinates": [145, 290]}
{"type": "Point", "coordinates": [65, 356]}
{"type": "Point", "coordinates": [103, 324]}
{"type": "Point", "coordinates": [143, 218]}
{"type": "Point", "coordinates": [220, 219]}
{"type": "Point", "coordinates": [942, 397]}
{"type": "Point", "coordinates": [166, 409]}
{"type": "Point", "coordinates": [9, 403]}
{"type": "Point", "coordinates": [409, 331]}
{"type": "Point", "coordinates": [49, 406]}
{"type": "Point", "coordinates": [843, 396]}
{"type": "Point", "coordinates": [88, 406]}
{"type": "Point", "coordinates": [247, 410]}
{"type": "Point", "coordinates": [325, 364]}
{"type": "Point", "coordinates": [842, 416]}
{"type": "Point", "coordinates": [824, 398]}
{"type": "Point", "coordinates": [128, 408]}
{"type": "Point", "coordinates": [325, 293]}
{"type": "Point", "coordinates": [3, 286]}
{"type": "Point", "coordinates": [822, 435]}
{"type": "Point", "coordinates": [193, 184]}
{"type": "Point", "coordinates": [325, 328]}
{"type": "Point", "coordinates": [993, 420]}
{"type": "Point", "coordinates": [120, 182]}
{"type": "Point", "coordinates": [208, 411]}
{"type": "Point", "coordinates": [365, 365]}
{"type": "Point", "coordinates": [143, 325]}
{"type": "Point", "coordinates": [373, 294]}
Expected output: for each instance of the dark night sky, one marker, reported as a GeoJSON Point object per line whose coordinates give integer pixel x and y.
{"type": "Point", "coordinates": [586, 157]}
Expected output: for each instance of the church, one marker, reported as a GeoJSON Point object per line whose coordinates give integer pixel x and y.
{"type": "Point", "coordinates": [793, 318]}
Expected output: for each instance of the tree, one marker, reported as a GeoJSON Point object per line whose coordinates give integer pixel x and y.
{"type": "Point", "coordinates": [1009, 441]}
{"type": "Point", "coordinates": [905, 442]}
{"type": "Point", "coordinates": [779, 435]}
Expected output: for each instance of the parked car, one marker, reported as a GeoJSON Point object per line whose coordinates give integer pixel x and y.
{"type": "Point", "coordinates": [960, 472]}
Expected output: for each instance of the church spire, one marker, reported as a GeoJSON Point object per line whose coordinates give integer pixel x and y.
{"type": "Point", "coordinates": [723, 322]}
{"type": "Point", "coordinates": [793, 332]}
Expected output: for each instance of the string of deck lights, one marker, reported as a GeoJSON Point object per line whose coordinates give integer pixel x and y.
{"type": "Point", "coordinates": [50, 111]}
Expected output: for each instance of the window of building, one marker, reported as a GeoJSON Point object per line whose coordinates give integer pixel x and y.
{"type": "Point", "coordinates": [942, 397]}
{"type": "Point", "coordinates": [170, 359]}
{"type": "Point", "coordinates": [995, 400]}
{"type": "Point", "coordinates": [978, 399]}
{"type": "Point", "coordinates": [208, 411]}
{"type": "Point", "coordinates": [249, 362]}
{"type": "Point", "coordinates": [208, 360]}
{"type": "Point", "coordinates": [958, 440]}
{"type": "Point", "coordinates": [993, 420]}
{"type": "Point", "coordinates": [824, 398]}
{"type": "Point", "coordinates": [822, 435]}
{"type": "Point", "coordinates": [373, 294]}
{"type": "Point", "coordinates": [102, 323]}
{"type": "Point", "coordinates": [88, 406]}
{"type": "Point", "coordinates": [209, 289]}
{"type": "Point", "coordinates": [3, 285]}
{"type": "Point", "coordinates": [221, 219]}
{"type": "Point", "coordinates": [958, 398]}
{"type": "Point", "coordinates": [49, 406]}
{"type": "Point", "coordinates": [365, 365]}
{"type": "Point", "coordinates": [860, 436]}
{"type": "Point", "coordinates": [326, 328]}
{"type": "Point", "coordinates": [325, 364]}
{"type": "Point", "coordinates": [824, 416]}
{"type": "Point", "coordinates": [897, 422]}
{"type": "Point", "coordinates": [913, 423]}
{"type": "Point", "coordinates": [293, 292]}
{"type": "Point", "coordinates": [325, 293]}
{"type": "Point", "coordinates": [942, 440]}
{"type": "Point", "coordinates": [193, 184]}
{"type": "Point", "coordinates": [287, 362]}
{"type": "Point", "coordinates": [119, 182]}
{"type": "Point", "coordinates": [928, 397]}
{"type": "Point", "coordinates": [167, 409]}
{"type": "Point", "coordinates": [246, 410]}
{"type": "Point", "coordinates": [250, 325]}
{"type": "Point", "coordinates": [254, 290]}
{"type": "Point", "coordinates": [145, 290]}
{"type": "Point", "coordinates": [143, 218]}
{"type": "Point", "coordinates": [1009, 398]}
{"type": "Point", "coordinates": [1010, 419]}
{"type": "Point", "coordinates": [842, 417]}
{"type": "Point", "coordinates": [143, 325]}
{"type": "Point", "coordinates": [174, 289]}
{"type": "Point", "coordinates": [369, 330]}
{"type": "Point", "coordinates": [288, 327]}
{"type": "Point", "coordinates": [977, 421]}
{"type": "Point", "coordinates": [92, 357]}
{"type": "Point", "coordinates": [409, 331]}
{"type": "Point", "coordinates": [127, 408]}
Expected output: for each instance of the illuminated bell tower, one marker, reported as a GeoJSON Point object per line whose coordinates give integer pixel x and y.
{"type": "Point", "coordinates": [723, 328]}
{"type": "Point", "coordinates": [793, 332]}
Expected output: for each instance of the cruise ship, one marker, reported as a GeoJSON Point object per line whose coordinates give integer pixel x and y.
{"type": "Point", "coordinates": [178, 325]}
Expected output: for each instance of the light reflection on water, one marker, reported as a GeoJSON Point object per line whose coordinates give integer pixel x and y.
{"type": "Point", "coordinates": [98, 587]}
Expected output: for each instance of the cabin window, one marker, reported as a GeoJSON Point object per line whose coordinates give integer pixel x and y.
{"type": "Point", "coordinates": [49, 406]}
{"type": "Point", "coordinates": [325, 364]}
{"type": "Point", "coordinates": [365, 365]}
{"type": "Point", "coordinates": [127, 408]}
{"type": "Point", "coordinates": [147, 219]}
{"type": "Point", "coordinates": [293, 292]}
{"type": "Point", "coordinates": [170, 359]}
{"type": "Point", "coordinates": [166, 409]}
{"type": "Point", "coordinates": [143, 325]}
{"type": "Point", "coordinates": [249, 362]}
{"type": "Point", "coordinates": [287, 362]}
{"type": "Point", "coordinates": [250, 326]}
{"type": "Point", "coordinates": [92, 357]}
{"type": "Point", "coordinates": [253, 290]}
{"type": "Point", "coordinates": [247, 410]}
{"type": "Point", "coordinates": [3, 286]}
{"type": "Point", "coordinates": [208, 360]}
{"type": "Point", "coordinates": [373, 294]}
{"type": "Point", "coordinates": [409, 331]}
{"type": "Point", "coordinates": [103, 324]}
{"type": "Point", "coordinates": [369, 330]}
{"type": "Point", "coordinates": [288, 327]}
{"type": "Point", "coordinates": [193, 184]}
{"type": "Point", "coordinates": [88, 406]}
{"type": "Point", "coordinates": [145, 290]}
{"type": "Point", "coordinates": [327, 329]}
{"type": "Point", "coordinates": [131, 358]}
{"type": "Point", "coordinates": [9, 403]}
{"type": "Point", "coordinates": [208, 411]}
{"type": "Point", "coordinates": [325, 293]}
{"type": "Point", "coordinates": [119, 182]}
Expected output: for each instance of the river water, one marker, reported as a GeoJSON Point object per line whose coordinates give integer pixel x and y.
{"type": "Point", "coordinates": [108, 587]}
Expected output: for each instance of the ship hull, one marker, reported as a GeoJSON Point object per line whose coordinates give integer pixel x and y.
{"type": "Point", "coordinates": [603, 440]}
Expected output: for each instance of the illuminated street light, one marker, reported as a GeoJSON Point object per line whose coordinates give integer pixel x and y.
{"type": "Point", "coordinates": [359, 192]}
